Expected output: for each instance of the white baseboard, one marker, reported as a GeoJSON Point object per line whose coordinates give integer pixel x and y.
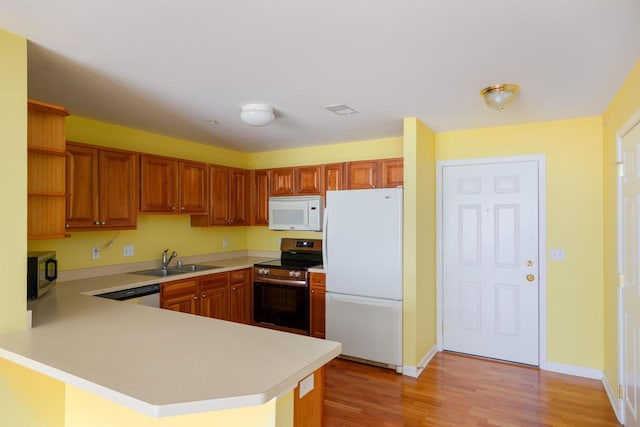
{"type": "Point", "coordinates": [578, 371]}
{"type": "Point", "coordinates": [616, 403]}
{"type": "Point", "coordinates": [415, 371]}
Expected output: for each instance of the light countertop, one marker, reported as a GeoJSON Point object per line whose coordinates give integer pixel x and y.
{"type": "Point", "coordinates": [155, 361]}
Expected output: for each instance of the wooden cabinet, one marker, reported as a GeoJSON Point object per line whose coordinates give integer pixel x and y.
{"type": "Point", "coordinates": [301, 180]}
{"type": "Point", "coordinates": [317, 305]}
{"type": "Point", "coordinates": [375, 174]}
{"type": "Point", "coordinates": [180, 295]}
{"type": "Point", "coordinates": [228, 198]}
{"type": "Point", "coordinates": [101, 188]}
{"type": "Point", "coordinates": [308, 180]}
{"type": "Point", "coordinates": [169, 185]}
{"type": "Point", "coordinates": [282, 182]}
{"type": "Point", "coordinates": [240, 296]}
{"type": "Point", "coordinates": [392, 173]}
{"type": "Point", "coordinates": [259, 204]}
{"type": "Point", "coordinates": [214, 294]}
{"type": "Point", "coordinates": [45, 171]}
{"type": "Point", "coordinates": [225, 296]}
{"type": "Point", "coordinates": [333, 177]}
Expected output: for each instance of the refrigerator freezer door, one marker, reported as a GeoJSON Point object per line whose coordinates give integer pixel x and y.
{"type": "Point", "coordinates": [363, 242]}
{"type": "Point", "coordinates": [368, 328]}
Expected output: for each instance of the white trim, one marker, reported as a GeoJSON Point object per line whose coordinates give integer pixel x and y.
{"type": "Point", "coordinates": [578, 371]}
{"type": "Point", "coordinates": [542, 242]}
{"type": "Point", "coordinates": [616, 403]}
{"type": "Point", "coordinates": [415, 371]}
{"type": "Point", "coordinates": [620, 134]}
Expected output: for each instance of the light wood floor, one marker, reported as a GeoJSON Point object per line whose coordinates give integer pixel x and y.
{"type": "Point", "coordinates": [457, 390]}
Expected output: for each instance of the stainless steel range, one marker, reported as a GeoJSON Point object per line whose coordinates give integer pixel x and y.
{"type": "Point", "coordinates": [281, 286]}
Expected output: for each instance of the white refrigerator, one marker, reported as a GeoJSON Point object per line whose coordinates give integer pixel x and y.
{"type": "Point", "coordinates": [362, 258]}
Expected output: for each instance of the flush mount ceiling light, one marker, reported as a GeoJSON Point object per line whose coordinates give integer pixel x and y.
{"type": "Point", "coordinates": [499, 96]}
{"type": "Point", "coordinates": [257, 114]}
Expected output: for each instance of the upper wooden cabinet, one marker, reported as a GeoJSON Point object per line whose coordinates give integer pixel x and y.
{"type": "Point", "coordinates": [308, 180]}
{"type": "Point", "coordinates": [333, 177]}
{"type": "Point", "coordinates": [259, 201]}
{"type": "Point", "coordinates": [300, 180]}
{"type": "Point", "coordinates": [101, 188]}
{"type": "Point", "coordinates": [169, 185]}
{"type": "Point", "coordinates": [45, 171]}
{"type": "Point", "coordinates": [228, 198]}
{"type": "Point", "coordinates": [383, 173]}
{"type": "Point", "coordinates": [282, 182]}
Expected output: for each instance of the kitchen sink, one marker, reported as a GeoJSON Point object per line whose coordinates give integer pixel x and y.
{"type": "Point", "coordinates": [159, 272]}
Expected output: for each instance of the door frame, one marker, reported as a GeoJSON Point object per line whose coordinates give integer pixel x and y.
{"type": "Point", "coordinates": [540, 159]}
{"type": "Point", "coordinates": [620, 134]}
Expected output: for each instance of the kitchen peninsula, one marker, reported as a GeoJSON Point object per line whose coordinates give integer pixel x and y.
{"type": "Point", "coordinates": [158, 362]}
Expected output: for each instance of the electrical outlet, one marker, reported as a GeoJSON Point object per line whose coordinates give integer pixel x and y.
{"type": "Point", "coordinates": [225, 243]}
{"type": "Point", "coordinates": [557, 254]}
{"type": "Point", "coordinates": [127, 250]}
{"type": "Point", "coordinates": [95, 253]}
{"type": "Point", "coordinates": [306, 385]}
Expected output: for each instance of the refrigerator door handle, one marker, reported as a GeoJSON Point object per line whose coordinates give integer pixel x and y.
{"type": "Point", "coordinates": [325, 241]}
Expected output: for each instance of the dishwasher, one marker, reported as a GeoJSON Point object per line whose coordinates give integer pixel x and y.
{"type": "Point", "coordinates": [148, 295]}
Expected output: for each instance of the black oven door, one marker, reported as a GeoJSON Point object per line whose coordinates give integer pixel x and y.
{"type": "Point", "coordinates": [281, 305]}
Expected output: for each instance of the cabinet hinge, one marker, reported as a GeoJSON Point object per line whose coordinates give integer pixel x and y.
{"type": "Point", "coordinates": [621, 389]}
{"type": "Point", "coordinates": [621, 280]}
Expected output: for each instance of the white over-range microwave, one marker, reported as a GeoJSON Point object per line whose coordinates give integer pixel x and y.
{"type": "Point", "coordinates": [295, 213]}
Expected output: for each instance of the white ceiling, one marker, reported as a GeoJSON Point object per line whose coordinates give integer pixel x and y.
{"type": "Point", "coordinates": [171, 66]}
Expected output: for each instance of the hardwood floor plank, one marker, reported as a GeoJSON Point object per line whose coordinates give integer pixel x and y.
{"type": "Point", "coordinates": [459, 390]}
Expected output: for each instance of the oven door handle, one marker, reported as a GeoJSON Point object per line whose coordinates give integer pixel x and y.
{"type": "Point", "coordinates": [296, 283]}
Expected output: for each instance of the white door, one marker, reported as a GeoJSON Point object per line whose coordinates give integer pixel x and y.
{"type": "Point", "coordinates": [490, 274]}
{"type": "Point", "coordinates": [630, 264]}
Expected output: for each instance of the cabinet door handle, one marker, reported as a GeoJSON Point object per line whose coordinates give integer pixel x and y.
{"type": "Point", "coordinates": [173, 208]}
{"type": "Point", "coordinates": [195, 297]}
{"type": "Point", "coordinates": [182, 208]}
{"type": "Point", "coordinates": [203, 296]}
{"type": "Point", "coordinates": [66, 226]}
{"type": "Point", "coordinates": [103, 223]}
{"type": "Point", "coordinates": [97, 222]}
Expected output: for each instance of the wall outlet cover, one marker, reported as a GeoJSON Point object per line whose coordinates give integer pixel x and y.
{"type": "Point", "coordinates": [306, 385]}
{"type": "Point", "coordinates": [95, 253]}
{"type": "Point", "coordinates": [556, 254]}
{"type": "Point", "coordinates": [127, 250]}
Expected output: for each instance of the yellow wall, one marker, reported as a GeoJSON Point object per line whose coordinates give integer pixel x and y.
{"type": "Point", "coordinates": [80, 129]}
{"type": "Point", "coordinates": [84, 409]}
{"type": "Point", "coordinates": [345, 152]}
{"type": "Point", "coordinates": [419, 305]}
{"type": "Point", "coordinates": [573, 150]}
{"type": "Point", "coordinates": [624, 105]}
{"type": "Point", "coordinates": [13, 181]}
{"type": "Point", "coordinates": [27, 399]}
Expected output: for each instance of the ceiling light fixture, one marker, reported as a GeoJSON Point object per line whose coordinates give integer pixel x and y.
{"type": "Point", "coordinates": [257, 114]}
{"type": "Point", "coordinates": [499, 96]}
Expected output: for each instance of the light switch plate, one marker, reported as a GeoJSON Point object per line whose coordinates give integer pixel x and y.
{"type": "Point", "coordinates": [557, 254]}
{"type": "Point", "coordinates": [306, 385]}
{"type": "Point", "coordinates": [127, 250]}
{"type": "Point", "coordinates": [95, 253]}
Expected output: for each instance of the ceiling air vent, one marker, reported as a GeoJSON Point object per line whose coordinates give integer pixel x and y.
{"type": "Point", "coordinates": [341, 109]}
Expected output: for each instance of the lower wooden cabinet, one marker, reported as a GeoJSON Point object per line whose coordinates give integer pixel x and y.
{"type": "Point", "coordinates": [225, 296]}
{"type": "Point", "coordinates": [180, 295]}
{"type": "Point", "coordinates": [317, 305]}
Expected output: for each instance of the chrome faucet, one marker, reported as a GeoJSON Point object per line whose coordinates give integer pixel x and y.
{"type": "Point", "coordinates": [165, 261]}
